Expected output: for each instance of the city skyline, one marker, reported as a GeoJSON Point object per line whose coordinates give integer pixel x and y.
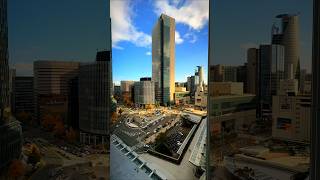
{"type": "Point", "coordinates": [256, 30]}
{"type": "Point", "coordinates": [65, 31]}
{"type": "Point", "coordinates": [132, 29]}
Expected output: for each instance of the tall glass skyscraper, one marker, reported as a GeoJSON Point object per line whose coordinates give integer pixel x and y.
{"type": "Point", "coordinates": [10, 129]}
{"type": "Point", "coordinates": [289, 38]}
{"type": "Point", "coordinates": [163, 59]}
{"type": "Point", "coordinates": [4, 67]}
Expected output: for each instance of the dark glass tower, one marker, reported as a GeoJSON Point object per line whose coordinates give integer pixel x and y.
{"type": "Point", "coordinates": [10, 129]}
{"type": "Point", "coordinates": [4, 67]}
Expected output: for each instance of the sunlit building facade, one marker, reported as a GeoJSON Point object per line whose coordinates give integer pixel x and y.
{"type": "Point", "coordinates": [163, 59]}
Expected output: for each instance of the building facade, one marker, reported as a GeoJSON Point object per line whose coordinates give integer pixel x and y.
{"type": "Point", "coordinates": [289, 38]}
{"type": "Point", "coordinates": [95, 100]}
{"type": "Point", "coordinates": [163, 59]}
{"type": "Point", "coordinates": [271, 72]}
{"type": "Point", "coordinates": [10, 129]}
{"type": "Point", "coordinates": [23, 100]}
{"type": "Point", "coordinates": [51, 87]}
{"type": "Point", "coordinates": [144, 93]}
{"type": "Point", "coordinates": [252, 70]}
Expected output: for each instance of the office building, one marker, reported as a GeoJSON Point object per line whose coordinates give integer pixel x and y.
{"type": "Point", "coordinates": [224, 73]}
{"type": "Point", "coordinates": [127, 90]}
{"type": "Point", "coordinates": [289, 38]}
{"type": "Point", "coordinates": [73, 103]}
{"type": "Point", "coordinates": [199, 74]}
{"type": "Point", "coordinates": [51, 87]}
{"type": "Point", "coordinates": [23, 95]}
{"type": "Point", "coordinates": [95, 99]}
{"type": "Point", "coordinates": [271, 72]}
{"type": "Point", "coordinates": [10, 129]}
{"type": "Point", "coordinates": [242, 76]}
{"type": "Point", "coordinates": [163, 59]}
{"type": "Point", "coordinates": [144, 92]}
{"type": "Point", "coordinates": [252, 70]}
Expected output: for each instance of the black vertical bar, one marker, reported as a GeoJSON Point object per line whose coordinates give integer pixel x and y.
{"type": "Point", "coordinates": [315, 124]}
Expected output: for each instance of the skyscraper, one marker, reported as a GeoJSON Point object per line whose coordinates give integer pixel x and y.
{"type": "Point", "coordinates": [271, 72]}
{"type": "Point", "coordinates": [252, 70]}
{"type": "Point", "coordinates": [289, 38]}
{"type": "Point", "coordinates": [4, 66]}
{"type": "Point", "coordinates": [95, 100]}
{"type": "Point", "coordinates": [10, 129]}
{"type": "Point", "coordinates": [163, 59]}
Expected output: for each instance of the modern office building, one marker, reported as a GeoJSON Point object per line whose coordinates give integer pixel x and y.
{"type": "Point", "coordinates": [10, 129]}
{"type": "Point", "coordinates": [144, 92]}
{"type": "Point", "coordinates": [95, 99]}
{"type": "Point", "coordinates": [271, 72]}
{"type": "Point", "coordinates": [252, 70]}
{"type": "Point", "coordinates": [126, 86]}
{"type": "Point", "coordinates": [12, 75]}
{"type": "Point", "coordinates": [51, 87]}
{"type": "Point", "coordinates": [242, 76]}
{"type": "Point", "coordinates": [73, 103]}
{"type": "Point", "coordinates": [224, 73]}
{"type": "Point", "coordinates": [199, 73]}
{"type": "Point", "coordinates": [23, 100]}
{"type": "Point", "coordinates": [163, 59]}
{"type": "Point", "coordinates": [289, 38]}
{"type": "Point", "coordinates": [127, 90]}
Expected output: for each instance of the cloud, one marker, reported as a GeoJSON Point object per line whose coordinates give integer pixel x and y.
{"type": "Point", "coordinates": [178, 38]}
{"type": "Point", "coordinates": [194, 13]}
{"type": "Point", "coordinates": [191, 37]}
{"type": "Point", "coordinates": [248, 45]}
{"type": "Point", "coordinates": [148, 53]}
{"type": "Point", "coordinates": [123, 28]}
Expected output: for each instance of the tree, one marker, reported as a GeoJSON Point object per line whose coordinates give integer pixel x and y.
{"type": "Point", "coordinates": [114, 117]}
{"type": "Point", "coordinates": [16, 169]}
{"type": "Point", "coordinates": [58, 129]}
{"type": "Point", "coordinates": [71, 135]}
{"type": "Point", "coordinates": [24, 117]}
{"type": "Point", "coordinates": [120, 111]}
{"type": "Point", "coordinates": [34, 156]}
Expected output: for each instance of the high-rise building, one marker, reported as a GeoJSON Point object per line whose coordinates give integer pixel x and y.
{"type": "Point", "coordinates": [163, 59]}
{"type": "Point", "coordinates": [23, 95]}
{"type": "Point", "coordinates": [95, 99]}
{"type": "Point", "coordinates": [200, 74]}
{"type": "Point", "coordinates": [144, 92]}
{"type": "Point", "coordinates": [271, 72]}
{"type": "Point", "coordinates": [51, 87]}
{"type": "Point", "coordinates": [242, 76]}
{"type": "Point", "coordinates": [10, 129]}
{"type": "Point", "coordinates": [73, 103]}
{"type": "Point", "coordinates": [289, 38]}
{"type": "Point", "coordinates": [252, 70]}
{"type": "Point", "coordinates": [4, 66]}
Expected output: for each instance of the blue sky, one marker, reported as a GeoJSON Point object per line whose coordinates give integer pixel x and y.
{"type": "Point", "coordinates": [132, 24]}
{"type": "Point", "coordinates": [55, 30]}
{"type": "Point", "coordinates": [248, 23]}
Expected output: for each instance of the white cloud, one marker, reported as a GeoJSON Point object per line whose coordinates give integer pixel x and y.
{"type": "Point", "coordinates": [178, 38]}
{"type": "Point", "coordinates": [194, 13]}
{"type": "Point", "coordinates": [123, 28]}
{"type": "Point", "coordinates": [191, 37]}
{"type": "Point", "coordinates": [148, 53]}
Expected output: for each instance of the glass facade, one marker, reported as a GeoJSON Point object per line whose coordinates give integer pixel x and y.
{"type": "Point", "coordinates": [4, 67]}
{"type": "Point", "coordinates": [163, 49]}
